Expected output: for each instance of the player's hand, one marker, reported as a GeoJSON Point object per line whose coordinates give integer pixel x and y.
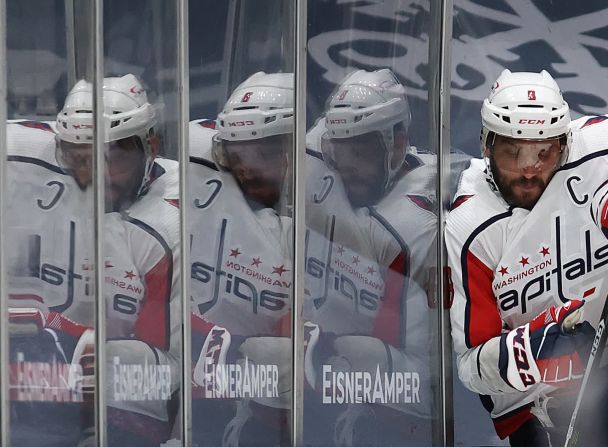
{"type": "Point", "coordinates": [82, 370]}
{"type": "Point", "coordinates": [552, 348]}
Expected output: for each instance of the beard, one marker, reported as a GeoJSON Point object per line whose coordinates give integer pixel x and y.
{"type": "Point", "coordinates": [520, 192]}
{"type": "Point", "coordinates": [361, 191]}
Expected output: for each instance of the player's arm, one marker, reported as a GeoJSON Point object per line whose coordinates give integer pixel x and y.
{"type": "Point", "coordinates": [599, 208]}
{"type": "Point", "coordinates": [493, 360]}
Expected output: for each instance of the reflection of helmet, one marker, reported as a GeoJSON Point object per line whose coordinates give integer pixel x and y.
{"type": "Point", "coordinates": [370, 102]}
{"type": "Point", "coordinates": [260, 107]}
{"type": "Point", "coordinates": [127, 113]}
{"type": "Point", "coordinates": [525, 105]}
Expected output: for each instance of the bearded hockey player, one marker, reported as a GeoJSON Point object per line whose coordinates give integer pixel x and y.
{"type": "Point", "coordinates": [369, 250]}
{"type": "Point", "coordinates": [141, 236]}
{"type": "Point", "coordinates": [241, 264]}
{"type": "Point", "coordinates": [525, 257]}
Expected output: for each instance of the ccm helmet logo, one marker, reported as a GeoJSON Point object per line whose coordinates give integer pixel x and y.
{"type": "Point", "coordinates": [337, 121]}
{"type": "Point", "coordinates": [241, 123]}
{"type": "Point", "coordinates": [524, 121]}
{"type": "Point", "coordinates": [82, 126]}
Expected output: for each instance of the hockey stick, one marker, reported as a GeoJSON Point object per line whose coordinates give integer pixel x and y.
{"type": "Point", "coordinates": [597, 350]}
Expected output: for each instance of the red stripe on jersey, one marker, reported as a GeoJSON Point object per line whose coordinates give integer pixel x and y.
{"type": "Point", "coordinates": [209, 124]}
{"type": "Point", "coordinates": [387, 326]}
{"type": "Point", "coordinates": [422, 202]}
{"type": "Point", "coordinates": [459, 201]}
{"type": "Point", "coordinates": [604, 216]}
{"type": "Point", "coordinates": [594, 120]}
{"type": "Point", "coordinates": [25, 297]}
{"type": "Point", "coordinates": [507, 425]}
{"type": "Point", "coordinates": [37, 125]}
{"type": "Point", "coordinates": [62, 323]}
{"type": "Point", "coordinates": [484, 321]}
{"type": "Point", "coordinates": [152, 325]}
{"type": "Point", "coordinates": [200, 325]}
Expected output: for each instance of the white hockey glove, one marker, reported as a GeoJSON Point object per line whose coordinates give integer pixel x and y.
{"type": "Point", "coordinates": [218, 349]}
{"type": "Point", "coordinates": [319, 348]}
{"type": "Point", "coordinates": [82, 370]}
{"type": "Point", "coordinates": [552, 348]}
{"type": "Point", "coordinates": [25, 320]}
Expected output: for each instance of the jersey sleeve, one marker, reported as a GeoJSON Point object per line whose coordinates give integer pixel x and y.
{"type": "Point", "coordinates": [476, 322]}
{"type": "Point", "coordinates": [156, 259]}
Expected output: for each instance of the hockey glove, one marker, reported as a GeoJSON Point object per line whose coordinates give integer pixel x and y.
{"type": "Point", "coordinates": [551, 348]}
{"type": "Point", "coordinates": [82, 370]}
{"type": "Point", "coordinates": [319, 347]}
{"type": "Point", "coordinates": [220, 348]}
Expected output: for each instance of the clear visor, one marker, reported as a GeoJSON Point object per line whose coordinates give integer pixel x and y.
{"type": "Point", "coordinates": [261, 153]}
{"type": "Point", "coordinates": [360, 149]}
{"type": "Point", "coordinates": [519, 156]}
{"type": "Point", "coordinates": [78, 156]}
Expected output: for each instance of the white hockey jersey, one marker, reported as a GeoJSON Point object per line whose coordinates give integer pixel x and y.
{"type": "Point", "coordinates": [49, 231]}
{"type": "Point", "coordinates": [241, 257]}
{"type": "Point", "coordinates": [367, 269]}
{"type": "Point", "coordinates": [509, 264]}
{"type": "Point", "coordinates": [51, 245]}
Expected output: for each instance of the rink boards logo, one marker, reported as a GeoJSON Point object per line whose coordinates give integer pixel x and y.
{"type": "Point", "coordinates": [489, 39]}
{"type": "Point", "coordinates": [242, 282]}
{"type": "Point", "coordinates": [536, 280]}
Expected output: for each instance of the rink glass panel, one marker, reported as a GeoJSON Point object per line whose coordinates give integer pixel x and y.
{"type": "Point", "coordinates": [50, 276]}
{"type": "Point", "coordinates": [240, 223]}
{"type": "Point", "coordinates": [370, 250]}
{"type": "Point", "coordinates": [142, 235]}
{"type": "Point", "coordinates": [487, 39]}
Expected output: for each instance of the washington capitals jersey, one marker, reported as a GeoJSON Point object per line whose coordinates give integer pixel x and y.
{"type": "Point", "coordinates": [509, 264]}
{"type": "Point", "coordinates": [51, 251]}
{"type": "Point", "coordinates": [367, 269]}
{"type": "Point", "coordinates": [241, 268]}
{"type": "Point", "coordinates": [142, 250]}
{"type": "Point", "coordinates": [49, 226]}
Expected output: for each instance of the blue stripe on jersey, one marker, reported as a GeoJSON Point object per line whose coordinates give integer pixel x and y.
{"type": "Point", "coordinates": [37, 161]}
{"type": "Point", "coordinates": [465, 275]}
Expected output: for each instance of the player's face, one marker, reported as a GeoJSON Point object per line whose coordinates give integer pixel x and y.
{"type": "Point", "coordinates": [361, 162]}
{"type": "Point", "coordinates": [125, 166]}
{"type": "Point", "coordinates": [124, 170]}
{"type": "Point", "coordinates": [259, 167]}
{"type": "Point", "coordinates": [522, 168]}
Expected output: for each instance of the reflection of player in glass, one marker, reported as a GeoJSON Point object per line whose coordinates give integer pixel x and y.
{"type": "Point", "coordinates": [141, 243]}
{"type": "Point", "coordinates": [131, 145]}
{"type": "Point", "coordinates": [369, 248]}
{"type": "Point", "coordinates": [366, 139]}
{"type": "Point", "coordinates": [517, 321]}
{"type": "Point", "coordinates": [241, 261]}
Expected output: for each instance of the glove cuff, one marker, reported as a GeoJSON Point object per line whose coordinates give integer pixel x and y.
{"type": "Point", "coordinates": [517, 365]}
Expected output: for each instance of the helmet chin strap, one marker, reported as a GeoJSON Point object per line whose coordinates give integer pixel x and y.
{"type": "Point", "coordinates": [149, 163]}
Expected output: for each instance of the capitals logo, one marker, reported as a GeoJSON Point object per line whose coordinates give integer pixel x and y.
{"type": "Point", "coordinates": [555, 273]}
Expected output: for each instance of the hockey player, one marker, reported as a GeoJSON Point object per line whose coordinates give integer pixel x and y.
{"type": "Point", "coordinates": [141, 250]}
{"type": "Point", "coordinates": [369, 252]}
{"type": "Point", "coordinates": [525, 256]}
{"type": "Point", "coordinates": [241, 263]}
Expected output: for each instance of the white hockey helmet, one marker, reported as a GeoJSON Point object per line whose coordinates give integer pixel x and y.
{"type": "Point", "coordinates": [127, 113]}
{"type": "Point", "coordinates": [260, 107]}
{"type": "Point", "coordinates": [368, 102]}
{"type": "Point", "coordinates": [525, 105]}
